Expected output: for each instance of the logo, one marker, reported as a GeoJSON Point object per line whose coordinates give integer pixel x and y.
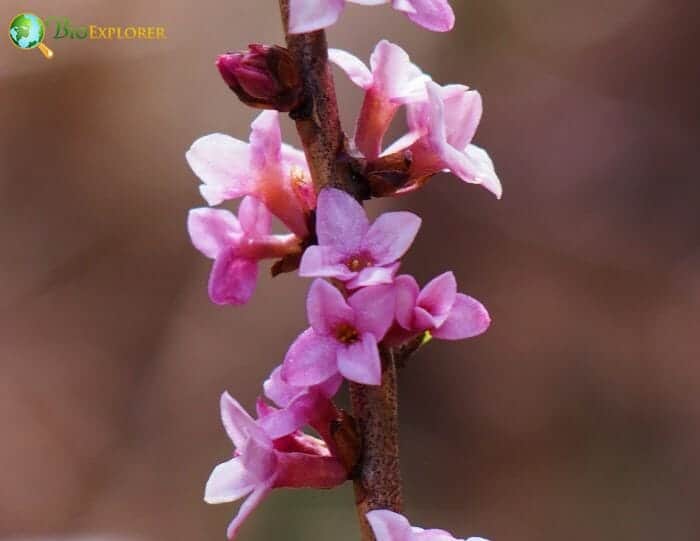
{"type": "Point", "coordinates": [27, 31]}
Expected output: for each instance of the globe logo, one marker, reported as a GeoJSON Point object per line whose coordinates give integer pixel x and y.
{"type": "Point", "coordinates": [27, 32]}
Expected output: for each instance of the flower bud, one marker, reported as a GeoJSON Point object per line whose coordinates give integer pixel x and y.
{"type": "Point", "coordinates": [264, 77]}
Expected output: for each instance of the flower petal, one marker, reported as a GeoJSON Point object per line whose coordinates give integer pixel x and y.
{"type": "Point", "coordinates": [435, 15]}
{"type": "Point", "coordinates": [296, 414]}
{"type": "Point", "coordinates": [258, 457]}
{"type": "Point", "coordinates": [374, 309]}
{"type": "Point", "coordinates": [407, 291]}
{"type": "Point", "coordinates": [395, 76]}
{"type": "Point", "coordinates": [326, 308]}
{"type": "Point", "coordinates": [310, 360]}
{"type": "Point", "coordinates": [467, 318]}
{"type": "Point", "coordinates": [389, 526]}
{"type": "Point", "coordinates": [212, 230]}
{"type": "Point", "coordinates": [265, 141]}
{"type": "Point", "coordinates": [372, 276]}
{"type": "Point", "coordinates": [324, 262]}
{"type": "Point", "coordinates": [310, 15]}
{"type": "Point", "coordinates": [438, 296]}
{"type": "Point", "coordinates": [228, 482]}
{"type": "Point", "coordinates": [221, 163]}
{"type": "Point", "coordinates": [278, 389]}
{"type": "Point", "coordinates": [246, 509]}
{"type": "Point", "coordinates": [390, 236]}
{"type": "Point", "coordinates": [352, 66]}
{"type": "Point", "coordinates": [254, 217]}
{"type": "Point", "coordinates": [360, 362]}
{"type": "Point", "coordinates": [340, 221]}
{"type": "Point", "coordinates": [232, 279]}
{"type": "Point", "coordinates": [238, 424]}
{"type": "Point", "coordinates": [484, 171]}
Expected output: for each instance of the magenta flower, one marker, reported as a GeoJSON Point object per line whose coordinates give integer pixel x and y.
{"type": "Point", "coordinates": [262, 463]}
{"type": "Point", "coordinates": [343, 336]}
{"type": "Point", "coordinates": [236, 245]}
{"type": "Point", "coordinates": [393, 80]}
{"type": "Point", "coordinates": [351, 250]}
{"type": "Point", "coordinates": [441, 132]}
{"type": "Point", "coordinates": [390, 526]}
{"type": "Point", "coordinates": [438, 308]}
{"type": "Point", "coordinates": [310, 15]}
{"type": "Point", "coordinates": [275, 173]}
{"type": "Point", "coordinates": [300, 405]}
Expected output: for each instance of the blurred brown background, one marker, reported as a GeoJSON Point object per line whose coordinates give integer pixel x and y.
{"type": "Point", "coordinates": [577, 416]}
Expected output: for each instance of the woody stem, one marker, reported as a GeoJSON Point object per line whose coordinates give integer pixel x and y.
{"type": "Point", "coordinates": [375, 408]}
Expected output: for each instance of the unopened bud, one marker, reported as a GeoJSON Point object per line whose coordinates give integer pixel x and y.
{"type": "Point", "coordinates": [264, 77]}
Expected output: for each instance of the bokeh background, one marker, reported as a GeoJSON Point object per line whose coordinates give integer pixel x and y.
{"type": "Point", "coordinates": [577, 416]}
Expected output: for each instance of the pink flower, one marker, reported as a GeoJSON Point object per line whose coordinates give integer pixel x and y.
{"type": "Point", "coordinates": [300, 405]}
{"type": "Point", "coordinates": [310, 15]}
{"type": "Point", "coordinates": [438, 308]}
{"type": "Point", "coordinates": [390, 526]}
{"type": "Point", "coordinates": [393, 80]}
{"type": "Point", "coordinates": [441, 132]}
{"type": "Point", "coordinates": [351, 250]}
{"type": "Point", "coordinates": [236, 245]}
{"type": "Point", "coordinates": [343, 336]}
{"type": "Point", "coordinates": [276, 174]}
{"type": "Point", "coordinates": [261, 463]}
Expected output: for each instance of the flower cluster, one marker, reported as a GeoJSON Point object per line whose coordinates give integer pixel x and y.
{"type": "Point", "coordinates": [358, 305]}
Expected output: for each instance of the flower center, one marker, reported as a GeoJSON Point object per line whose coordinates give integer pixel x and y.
{"type": "Point", "coordinates": [346, 333]}
{"type": "Point", "coordinates": [358, 262]}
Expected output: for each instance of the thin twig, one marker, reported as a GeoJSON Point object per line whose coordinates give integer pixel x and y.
{"type": "Point", "coordinates": [375, 408]}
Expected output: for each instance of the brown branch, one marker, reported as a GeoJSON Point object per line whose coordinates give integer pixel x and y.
{"type": "Point", "coordinates": [378, 481]}
{"type": "Point", "coordinates": [375, 408]}
{"type": "Point", "coordinates": [317, 120]}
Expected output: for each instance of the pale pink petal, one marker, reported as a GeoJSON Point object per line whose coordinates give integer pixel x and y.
{"type": "Point", "coordinates": [372, 276]}
{"type": "Point", "coordinates": [246, 509]}
{"type": "Point", "coordinates": [484, 171]}
{"type": "Point", "coordinates": [374, 309]}
{"type": "Point", "coordinates": [423, 320]}
{"type": "Point", "coordinates": [390, 236]}
{"type": "Point", "coordinates": [221, 163]}
{"type": "Point", "coordinates": [438, 296]}
{"type": "Point", "coordinates": [238, 424]}
{"type": "Point", "coordinates": [311, 359]}
{"type": "Point", "coordinates": [265, 141]}
{"type": "Point", "coordinates": [395, 76]}
{"type": "Point", "coordinates": [324, 262]}
{"type": "Point", "coordinates": [278, 389]}
{"type": "Point", "coordinates": [258, 457]}
{"type": "Point", "coordinates": [310, 15]}
{"type": "Point", "coordinates": [212, 230]}
{"type": "Point", "coordinates": [341, 221]}
{"type": "Point", "coordinates": [360, 362]}
{"type": "Point", "coordinates": [369, 2]}
{"type": "Point", "coordinates": [407, 291]}
{"type": "Point", "coordinates": [326, 308]}
{"type": "Point", "coordinates": [435, 15]}
{"type": "Point", "coordinates": [403, 142]}
{"type": "Point", "coordinates": [352, 66]}
{"type": "Point", "coordinates": [462, 116]}
{"type": "Point", "coordinates": [389, 526]}
{"type": "Point", "coordinates": [228, 482]}
{"type": "Point", "coordinates": [467, 318]}
{"type": "Point", "coordinates": [254, 217]}
{"type": "Point", "coordinates": [282, 422]}
{"type": "Point", "coordinates": [232, 279]}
